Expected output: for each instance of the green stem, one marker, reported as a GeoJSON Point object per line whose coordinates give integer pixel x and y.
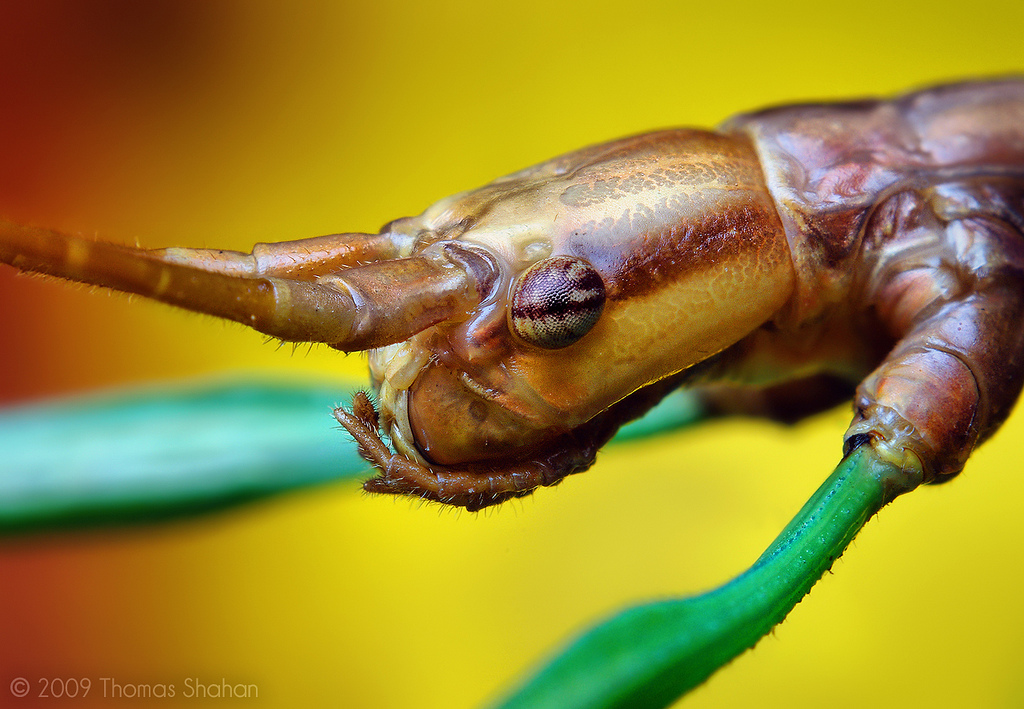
{"type": "Point", "coordinates": [160, 453]}
{"type": "Point", "coordinates": [648, 656]}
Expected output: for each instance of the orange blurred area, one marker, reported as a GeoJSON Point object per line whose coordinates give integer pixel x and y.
{"type": "Point", "coordinates": [227, 123]}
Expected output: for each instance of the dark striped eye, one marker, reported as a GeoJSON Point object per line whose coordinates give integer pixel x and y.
{"type": "Point", "coordinates": [556, 302]}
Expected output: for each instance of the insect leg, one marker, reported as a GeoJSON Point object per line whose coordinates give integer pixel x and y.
{"type": "Point", "coordinates": [954, 374]}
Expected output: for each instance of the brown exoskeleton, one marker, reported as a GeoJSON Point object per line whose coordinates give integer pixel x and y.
{"type": "Point", "coordinates": [772, 265]}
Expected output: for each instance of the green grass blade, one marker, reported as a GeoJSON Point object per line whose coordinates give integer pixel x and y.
{"type": "Point", "coordinates": [150, 455]}
{"type": "Point", "coordinates": [678, 410]}
{"type": "Point", "coordinates": [153, 454]}
{"type": "Point", "coordinates": [650, 655]}
{"type": "Point", "coordinates": [147, 455]}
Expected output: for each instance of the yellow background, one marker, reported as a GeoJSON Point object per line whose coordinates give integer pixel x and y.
{"type": "Point", "coordinates": [222, 124]}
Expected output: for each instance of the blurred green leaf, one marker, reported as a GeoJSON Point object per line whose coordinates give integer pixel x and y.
{"type": "Point", "coordinates": [149, 454]}
{"type": "Point", "coordinates": [146, 455]}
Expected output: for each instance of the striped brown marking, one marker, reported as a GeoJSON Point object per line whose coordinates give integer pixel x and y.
{"type": "Point", "coordinates": [743, 229]}
{"type": "Point", "coordinates": [672, 204]}
{"type": "Point", "coordinates": [556, 302]}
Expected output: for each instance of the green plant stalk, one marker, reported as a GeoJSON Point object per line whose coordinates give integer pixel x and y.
{"type": "Point", "coordinates": [650, 655]}
{"type": "Point", "coordinates": [149, 455]}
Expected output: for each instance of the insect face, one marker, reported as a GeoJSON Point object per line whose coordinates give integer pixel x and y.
{"type": "Point", "coordinates": [613, 269]}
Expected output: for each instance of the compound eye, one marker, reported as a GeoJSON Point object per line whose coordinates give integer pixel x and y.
{"type": "Point", "coordinates": [556, 302]}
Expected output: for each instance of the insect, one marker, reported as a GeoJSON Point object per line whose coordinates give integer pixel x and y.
{"type": "Point", "coordinates": [789, 260]}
